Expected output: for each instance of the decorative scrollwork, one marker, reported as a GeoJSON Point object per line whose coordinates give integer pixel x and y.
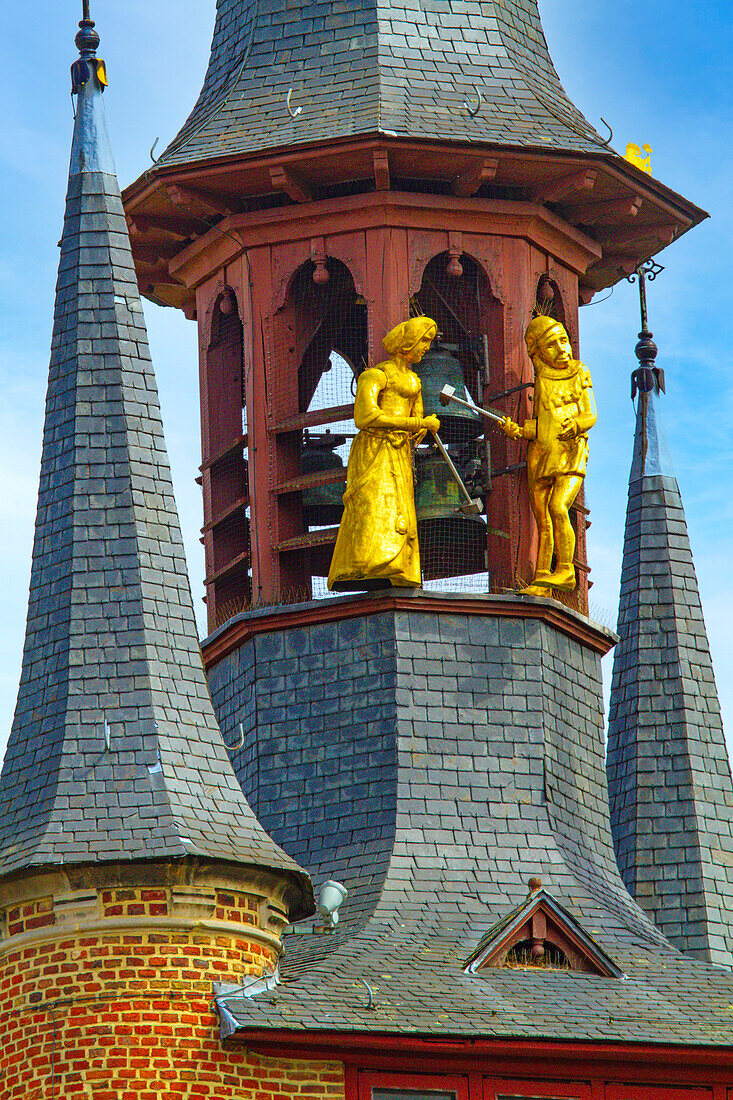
{"type": "Point", "coordinates": [649, 269]}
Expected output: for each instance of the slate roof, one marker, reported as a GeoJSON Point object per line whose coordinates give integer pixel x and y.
{"type": "Point", "coordinates": [360, 67]}
{"type": "Point", "coordinates": [115, 752]}
{"type": "Point", "coordinates": [669, 774]}
{"type": "Point", "coordinates": [496, 775]}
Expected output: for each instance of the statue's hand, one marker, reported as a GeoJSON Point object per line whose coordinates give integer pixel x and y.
{"type": "Point", "coordinates": [511, 429]}
{"type": "Point", "coordinates": [568, 428]}
{"type": "Point", "coordinates": [430, 423]}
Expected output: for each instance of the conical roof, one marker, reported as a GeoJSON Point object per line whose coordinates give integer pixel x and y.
{"type": "Point", "coordinates": [115, 753]}
{"type": "Point", "coordinates": [455, 70]}
{"type": "Point", "coordinates": [669, 777]}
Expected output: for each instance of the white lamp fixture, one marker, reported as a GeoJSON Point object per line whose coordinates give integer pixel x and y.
{"type": "Point", "coordinates": [329, 901]}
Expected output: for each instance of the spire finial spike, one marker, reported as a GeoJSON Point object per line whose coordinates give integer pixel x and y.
{"type": "Point", "coordinates": [87, 39]}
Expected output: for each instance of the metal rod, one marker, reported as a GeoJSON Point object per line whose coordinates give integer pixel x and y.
{"type": "Point", "coordinates": [85, 10]}
{"type": "Point", "coordinates": [642, 300]}
{"type": "Point", "coordinates": [472, 504]}
{"type": "Point", "coordinates": [449, 394]}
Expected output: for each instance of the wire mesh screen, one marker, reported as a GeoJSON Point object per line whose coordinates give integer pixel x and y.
{"type": "Point", "coordinates": [452, 525]}
{"type": "Point", "coordinates": [320, 348]}
{"type": "Point", "coordinates": [470, 490]}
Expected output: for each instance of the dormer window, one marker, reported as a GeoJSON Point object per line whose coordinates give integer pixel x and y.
{"type": "Point", "coordinates": [541, 935]}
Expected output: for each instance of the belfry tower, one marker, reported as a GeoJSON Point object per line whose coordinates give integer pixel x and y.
{"type": "Point", "coordinates": [341, 169]}
{"type": "Point", "coordinates": [132, 870]}
{"type": "Point", "coordinates": [437, 751]}
{"type": "Point", "coordinates": [434, 750]}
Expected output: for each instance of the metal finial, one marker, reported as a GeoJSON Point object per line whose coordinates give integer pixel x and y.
{"type": "Point", "coordinates": [647, 376]}
{"type": "Point", "coordinates": [87, 39]}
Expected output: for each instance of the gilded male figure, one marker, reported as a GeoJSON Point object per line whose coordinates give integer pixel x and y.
{"type": "Point", "coordinates": [557, 454]}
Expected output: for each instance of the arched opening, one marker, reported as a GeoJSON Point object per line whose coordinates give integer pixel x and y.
{"type": "Point", "coordinates": [548, 300]}
{"type": "Point", "coordinates": [456, 293]}
{"type": "Point", "coordinates": [224, 470]}
{"type": "Point", "coordinates": [320, 340]}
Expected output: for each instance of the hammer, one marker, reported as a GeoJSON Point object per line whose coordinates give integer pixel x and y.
{"type": "Point", "coordinates": [448, 393]}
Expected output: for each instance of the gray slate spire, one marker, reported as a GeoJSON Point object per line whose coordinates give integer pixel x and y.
{"type": "Point", "coordinates": [365, 67]}
{"type": "Point", "coordinates": [115, 752]}
{"type": "Point", "coordinates": [669, 777]}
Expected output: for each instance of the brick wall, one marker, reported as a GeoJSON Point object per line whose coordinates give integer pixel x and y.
{"type": "Point", "coordinates": [125, 1014]}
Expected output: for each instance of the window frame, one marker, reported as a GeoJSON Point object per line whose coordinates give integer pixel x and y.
{"type": "Point", "coordinates": [369, 1080]}
{"type": "Point", "coordinates": [507, 1089]}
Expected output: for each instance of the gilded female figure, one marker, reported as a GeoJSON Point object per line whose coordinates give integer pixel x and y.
{"type": "Point", "coordinates": [377, 540]}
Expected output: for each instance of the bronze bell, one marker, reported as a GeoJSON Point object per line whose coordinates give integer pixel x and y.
{"type": "Point", "coordinates": [323, 505]}
{"type": "Point", "coordinates": [451, 543]}
{"type": "Point", "coordinates": [436, 493]}
{"type": "Point", "coordinates": [437, 368]}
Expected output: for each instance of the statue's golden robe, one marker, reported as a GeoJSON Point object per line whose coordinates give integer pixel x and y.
{"type": "Point", "coordinates": [377, 539]}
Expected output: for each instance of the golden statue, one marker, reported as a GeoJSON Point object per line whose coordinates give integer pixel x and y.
{"type": "Point", "coordinates": [377, 540]}
{"type": "Point", "coordinates": [634, 156]}
{"type": "Point", "coordinates": [557, 454]}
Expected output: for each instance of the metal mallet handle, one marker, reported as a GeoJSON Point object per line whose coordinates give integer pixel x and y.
{"type": "Point", "coordinates": [471, 506]}
{"type": "Point", "coordinates": [448, 393]}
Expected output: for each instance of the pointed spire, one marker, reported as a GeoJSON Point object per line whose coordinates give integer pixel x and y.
{"type": "Point", "coordinates": [115, 753]}
{"type": "Point", "coordinates": [668, 771]}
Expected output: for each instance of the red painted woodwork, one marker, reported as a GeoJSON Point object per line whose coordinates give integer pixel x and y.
{"type": "Point", "coordinates": [495, 1068]}
{"type": "Point", "coordinates": [619, 193]}
{"type": "Point", "coordinates": [422, 1084]}
{"type": "Point", "coordinates": [496, 1088]}
{"type": "Point", "coordinates": [379, 245]}
{"type": "Point", "coordinates": [223, 468]}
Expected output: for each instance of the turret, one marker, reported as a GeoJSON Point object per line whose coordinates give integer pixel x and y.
{"type": "Point", "coordinates": [668, 769]}
{"type": "Point", "coordinates": [125, 834]}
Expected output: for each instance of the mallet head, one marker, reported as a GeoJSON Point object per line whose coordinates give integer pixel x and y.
{"type": "Point", "coordinates": [446, 393]}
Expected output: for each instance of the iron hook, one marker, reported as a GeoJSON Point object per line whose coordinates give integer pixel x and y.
{"type": "Point", "coordinates": [473, 111]}
{"type": "Point", "coordinates": [609, 139]}
{"type": "Point", "coordinates": [291, 112]}
{"type": "Point", "coordinates": [240, 742]}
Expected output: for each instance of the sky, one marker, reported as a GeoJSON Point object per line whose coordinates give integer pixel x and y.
{"type": "Point", "coordinates": [657, 71]}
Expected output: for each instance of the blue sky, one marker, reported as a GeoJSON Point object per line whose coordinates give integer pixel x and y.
{"type": "Point", "coordinates": [657, 71]}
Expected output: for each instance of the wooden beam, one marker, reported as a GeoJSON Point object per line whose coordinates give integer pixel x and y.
{"type": "Point", "coordinates": [618, 239]}
{"type": "Point", "coordinates": [622, 261]}
{"type": "Point", "coordinates": [156, 275]}
{"type": "Point", "coordinates": [612, 210]}
{"type": "Point", "coordinates": [152, 256]}
{"type": "Point", "coordinates": [190, 198]}
{"type": "Point", "coordinates": [381, 169]}
{"type": "Point", "coordinates": [285, 179]}
{"type": "Point", "coordinates": [142, 224]}
{"type": "Point", "coordinates": [472, 178]}
{"type": "Point", "coordinates": [558, 189]}
{"type": "Point", "coordinates": [314, 418]}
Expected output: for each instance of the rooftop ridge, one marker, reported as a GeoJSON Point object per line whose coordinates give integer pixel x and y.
{"type": "Point", "coordinates": [115, 753]}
